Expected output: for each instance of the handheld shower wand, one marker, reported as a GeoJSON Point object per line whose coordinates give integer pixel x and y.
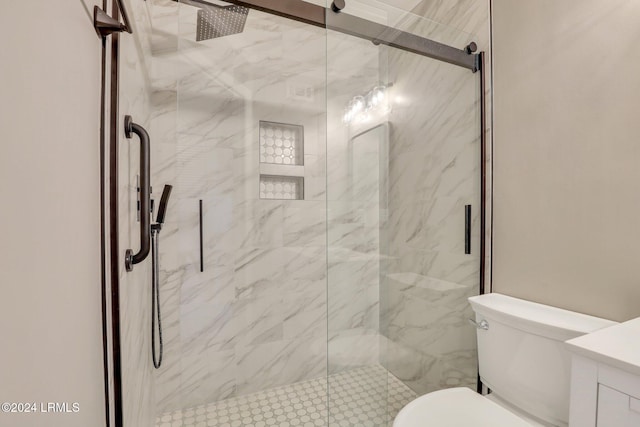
{"type": "Point", "coordinates": [155, 278]}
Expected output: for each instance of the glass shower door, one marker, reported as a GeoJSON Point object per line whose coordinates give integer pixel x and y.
{"type": "Point", "coordinates": [312, 265]}
{"type": "Point", "coordinates": [403, 162]}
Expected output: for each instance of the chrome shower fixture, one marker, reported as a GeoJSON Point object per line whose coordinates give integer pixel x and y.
{"type": "Point", "coordinates": [219, 21]}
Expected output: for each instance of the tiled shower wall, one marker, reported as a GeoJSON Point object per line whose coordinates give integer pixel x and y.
{"type": "Point", "coordinates": [255, 318]}
{"type": "Point", "coordinates": [354, 67]}
{"type": "Point", "coordinates": [434, 171]}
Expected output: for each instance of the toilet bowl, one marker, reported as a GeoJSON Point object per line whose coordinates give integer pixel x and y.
{"type": "Point", "coordinates": [456, 407]}
{"type": "Point", "coordinates": [522, 359]}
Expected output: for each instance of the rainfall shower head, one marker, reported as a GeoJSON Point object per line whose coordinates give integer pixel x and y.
{"type": "Point", "coordinates": [217, 20]}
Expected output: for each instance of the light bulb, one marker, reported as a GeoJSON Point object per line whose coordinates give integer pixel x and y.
{"type": "Point", "coordinates": [358, 104]}
{"type": "Point", "coordinates": [379, 94]}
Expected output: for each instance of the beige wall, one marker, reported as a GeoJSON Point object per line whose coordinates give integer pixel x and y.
{"type": "Point", "coordinates": [567, 154]}
{"type": "Point", "coordinates": [51, 345]}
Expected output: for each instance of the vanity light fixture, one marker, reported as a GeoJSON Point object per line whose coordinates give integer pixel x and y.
{"type": "Point", "coordinates": [360, 106]}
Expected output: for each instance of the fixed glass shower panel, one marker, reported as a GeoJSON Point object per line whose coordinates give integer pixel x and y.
{"type": "Point", "coordinates": [245, 280]}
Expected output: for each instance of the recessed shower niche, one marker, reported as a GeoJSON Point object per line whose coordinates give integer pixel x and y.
{"type": "Point", "coordinates": [281, 187]}
{"type": "Point", "coordinates": [281, 161]}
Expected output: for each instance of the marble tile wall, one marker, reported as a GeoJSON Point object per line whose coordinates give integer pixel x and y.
{"type": "Point", "coordinates": [434, 171]}
{"type": "Point", "coordinates": [256, 317]}
{"type": "Point", "coordinates": [471, 17]}
{"type": "Point", "coordinates": [353, 183]}
{"type": "Point", "coordinates": [419, 276]}
{"type": "Point", "coordinates": [283, 278]}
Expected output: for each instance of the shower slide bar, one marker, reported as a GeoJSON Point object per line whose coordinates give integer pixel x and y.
{"type": "Point", "coordinates": [145, 194]}
{"type": "Point", "coordinates": [381, 34]}
{"type": "Point", "coordinates": [333, 19]}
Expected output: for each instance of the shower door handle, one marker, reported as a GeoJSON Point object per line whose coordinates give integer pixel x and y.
{"type": "Point", "coordinates": [467, 229]}
{"type": "Point", "coordinates": [145, 194]}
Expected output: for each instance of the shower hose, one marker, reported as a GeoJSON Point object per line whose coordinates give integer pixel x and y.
{"type": "Point", "coordinates": [155, 301]}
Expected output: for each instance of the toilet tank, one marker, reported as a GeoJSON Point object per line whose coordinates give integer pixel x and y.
{"type": "Point", "coordinates": [522, 356]}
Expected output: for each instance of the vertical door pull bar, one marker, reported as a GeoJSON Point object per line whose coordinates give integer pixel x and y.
{"type": "Point", "coordinates": [201, 240]}
{"type": "Point", "coordinates": [145, 194]}
{"type": "Point", "coordinates": [467, 229]}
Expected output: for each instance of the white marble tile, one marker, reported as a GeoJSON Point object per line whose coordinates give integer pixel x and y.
{"type": "Point", "coordinates": [306, 314]}
{"type": "Point", "coordinates": [425, 373]}
{"type": "Point", "coordinates": [351, 348]}
{"type": "Point", "coordinates": [280, 362]}
{"type": "Point", "coordinates": [260, 223]}
{"type": "Point", "coordinates": [352, 304]}
{"type": "Point", "coordinates": [207, 376]}
{"type": "Point", "coordinates": [264, 272]}
{"type": "Point", "coordinates": [305, 222]}
{"type": "Point", "coordinates": [257, 317]}
{"type": "Point", "coordinates": [258, 320]}
{"type": "Point", "coordinates": [207, 325]}
{"type": "Point", "coordinates": [433, 172]}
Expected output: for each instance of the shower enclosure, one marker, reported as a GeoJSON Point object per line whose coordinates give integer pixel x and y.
{"type": "Point", "coordinates": [324, 228]}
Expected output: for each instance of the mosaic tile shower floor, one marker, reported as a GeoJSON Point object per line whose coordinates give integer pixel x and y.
{"type": "Point", "coordinates": [367, 396]}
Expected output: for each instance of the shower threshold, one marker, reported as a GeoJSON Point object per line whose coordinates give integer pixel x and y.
{"type": "Point", "coordinates": [365, 396]}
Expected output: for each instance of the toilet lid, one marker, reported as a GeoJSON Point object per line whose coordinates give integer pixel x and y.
{"type": "Point", "coordinates": [456, 407]}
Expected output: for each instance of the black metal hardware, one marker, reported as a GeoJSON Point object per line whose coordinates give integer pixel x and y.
{"type": "Point", "coordinates": [156, 316]}
{"type": "Point", "coordinates": [103, 241]}
{"type": "Point", "coordinates": [319, 16]}
{"type": "Point", "coordinates": [201, 238]}
{"type": "Point", "coordinates": [483, 171]}
{"type": "Point", "coordinates": [293, 9]}
{"type": "Point", "coordinates": [471, 48]}
{"type": "Point", "coordinates": [381, 34]}
{"type": "Point", "coordinates": [114, 210]}
{"type": "Point", "coordinates": [337, 5]}
{"type": "Point", "coordinates": [105, 24]}
{"type": "Point", "coordinates": [467, 229]}
{"type": "Point", "coordinates": [145, 194]}
{"type": "Point", "coordinates": [164, 200]}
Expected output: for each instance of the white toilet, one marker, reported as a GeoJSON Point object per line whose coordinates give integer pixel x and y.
{"type": "Point", "coordinates": [523, 361]}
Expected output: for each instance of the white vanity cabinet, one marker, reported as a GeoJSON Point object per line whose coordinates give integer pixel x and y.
{"type": "Point", "coordinates": [605, 377]}
{"type": "Point", "coordinates": [616, 408]}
